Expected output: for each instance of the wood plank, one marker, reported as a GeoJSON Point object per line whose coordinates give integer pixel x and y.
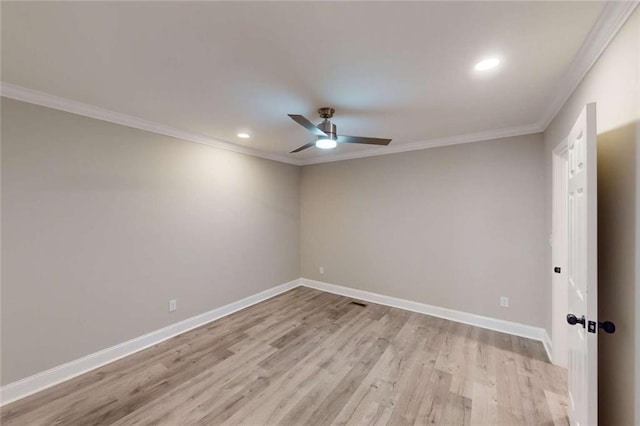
{"type": "Point", "coordinates": [558, 407]}
{"type": "Point", "coordinates": [309, 357]}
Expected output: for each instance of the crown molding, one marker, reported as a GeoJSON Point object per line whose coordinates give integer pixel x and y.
{"type": "Point", "coordinates": [430, 143]}
{"type": "Point", "coordinates": [613, 16]}
{"type": "Point", "coordinates": [23, 94]}
{"type": "Point", "coordinates": [610, 21]}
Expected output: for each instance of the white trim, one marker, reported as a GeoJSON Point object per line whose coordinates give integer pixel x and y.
{"type": "Point", "coordinates": [64, 372]}
{"type": "Point", "coordinates": [613, 16]}
{"type": "Point", "coordinates": [41, 381]}
{"type": "Point", "coordinates": [23, 94]}
{"type": "Point", "coordinates": [51, 101]}
{"type": "Point", "coordinates": [559, 290]}
{"type": "Point", "coordinates": [514, 328]}
{"type": "Point", "coordinates": [548, 344]}
{"type": "Point", "coordinates": [430, 143]}
{"type": "Point", "coordinates": [637, 279]}
{"type": "Point", "coordinates": [611, 19]}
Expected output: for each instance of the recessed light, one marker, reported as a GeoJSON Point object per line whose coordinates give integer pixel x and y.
{"type": "Point", "coordinates": [326, 143]}
{"type": "Point", "coordinates": [487, 64]}
{"type": "Point", "coordinates": [243, 135]}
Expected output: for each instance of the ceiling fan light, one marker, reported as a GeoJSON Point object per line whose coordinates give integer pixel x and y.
{"type": "Point", "coordinates": [326, 143]}
{"type": "Point", "coordinates": [487, 64]}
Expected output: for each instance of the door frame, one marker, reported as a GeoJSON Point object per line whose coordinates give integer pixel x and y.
{"type": "Point", "coordinates": [559, 251]}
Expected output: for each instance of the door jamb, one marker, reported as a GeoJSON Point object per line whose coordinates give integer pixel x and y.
{"type": "Point", "coordinates": [557, 318]}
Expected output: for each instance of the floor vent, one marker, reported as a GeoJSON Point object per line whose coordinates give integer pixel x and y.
{"type": "Point", "coordinates": [364, 305]}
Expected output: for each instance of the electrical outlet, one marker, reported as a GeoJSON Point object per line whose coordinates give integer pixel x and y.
{"type": "Point", "coordinates": [322, 269]}
{"type": "Point", "coordinates": [504, 302]}
{"type": "Point", "coordinates": [173, 305]}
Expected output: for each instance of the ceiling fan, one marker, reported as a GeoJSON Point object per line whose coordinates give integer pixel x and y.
{"type": "Point", "coordinates": [327, 132]}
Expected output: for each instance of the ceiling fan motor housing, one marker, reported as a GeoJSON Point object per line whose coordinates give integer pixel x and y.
{"type": "Point", "coordinates": [329, 128]}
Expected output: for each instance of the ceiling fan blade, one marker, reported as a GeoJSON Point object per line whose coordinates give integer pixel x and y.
{"type": "Point", "coordinates": [307, 125]}
{"type": "Point", "coordinates": [303, 147]}
{"type": "Point", "coordinates": [359, 139]}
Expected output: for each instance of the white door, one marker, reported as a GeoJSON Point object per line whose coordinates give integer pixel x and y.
{"type": "Point", "coordinates": [582, 270]}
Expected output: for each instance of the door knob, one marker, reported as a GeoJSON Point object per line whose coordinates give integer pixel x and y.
{"type": "Point", "coordinates": [607, 326]}
{"type": "Point", "coordinates": [573, 320]}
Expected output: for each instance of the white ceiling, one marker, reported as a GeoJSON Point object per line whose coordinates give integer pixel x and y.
{"type": "Point", "coordinates": [397, 70]}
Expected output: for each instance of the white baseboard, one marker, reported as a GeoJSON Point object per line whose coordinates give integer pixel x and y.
{"type": "Point", "coordinates": [548, 344]}
{"type": "Point", "coordinates": [64, 372]}
{"type": "Point", "coordinates": [517, 329]}
{"type": "Point", "coordinates": [37, 382]}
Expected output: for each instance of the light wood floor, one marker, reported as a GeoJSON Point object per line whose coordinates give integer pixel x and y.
{"type": "Point", "coordinates": [312, 358]}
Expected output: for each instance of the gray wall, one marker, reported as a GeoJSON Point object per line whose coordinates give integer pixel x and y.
{"type": "Point", "coordinates": [614, 84]}
{"type": "Point", "coordinates": [455, 226]}
{"type": "Point", "coordinates": [103, 224]}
